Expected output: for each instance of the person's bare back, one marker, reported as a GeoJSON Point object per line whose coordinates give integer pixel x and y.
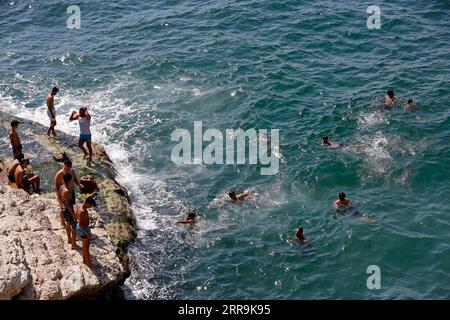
{"type": "Point", "coordinates": [12, 168]}
{"type": "Point", "coordinates": [19, 178]}
{"type": "Point", "coordinates": [83, 217]}
{"type": "Point", "coordinates": [50, 103]}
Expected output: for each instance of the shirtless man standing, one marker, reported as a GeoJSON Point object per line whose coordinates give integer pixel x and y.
{"type": "Point", "coordinates": [83, 228]}
{"type": "Point", "coordinates": [15, 140]}
{"type": "Point", "coordinates": [51, 111]}
{"type": "Point", "coordinates": [69, 214]}
{"type": "Point", "coordinates": [59, 181]}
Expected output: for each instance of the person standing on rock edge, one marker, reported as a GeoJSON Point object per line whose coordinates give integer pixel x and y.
{"type": "Point", "coordinates": [84, 120]}
{"type": "Point", "coordinates": [83, 228]}
{"type": "Point", "coordinates": [51, 111]}
{"type": "Point", "coordinates": [59, 181]}
{"type": "Point", "coordinates": [69, 214]}
{"type": "Point", "coordinates": [15, 140]}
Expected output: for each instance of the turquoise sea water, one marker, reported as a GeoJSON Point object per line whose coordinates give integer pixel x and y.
{"type": "Point", "coordinates": [145, 68]}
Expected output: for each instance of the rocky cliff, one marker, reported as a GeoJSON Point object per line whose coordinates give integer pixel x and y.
{"type": "Point", "coordinates": [35, 260]}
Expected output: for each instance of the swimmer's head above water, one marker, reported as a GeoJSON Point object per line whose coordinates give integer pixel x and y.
{"type": "Point", "coordinates": [390, 100]}
{"type": "Point", "coordinates": [300, 236]}
{"type": "Point", "coordinates": [299, 233]}
{"type": "Point", "coordinates": [390, 94]}
{"type": "Point", "coordinates": [342, 203]}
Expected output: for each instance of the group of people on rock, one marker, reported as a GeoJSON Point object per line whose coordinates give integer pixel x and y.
{"type": "Point", "coordinates": [84, 121]}
{"type": "Point", "coordinates": [74, 218]}
{"type": "Point", "coordinates": [19, 171]}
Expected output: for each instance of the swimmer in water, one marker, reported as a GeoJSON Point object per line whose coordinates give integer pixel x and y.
{"type": "Point", "coordinates": [411, 105]}
{"type": "Point", "coordinates": [390, 99]}
{"type": "Point", "coordinates": [190, 219]}
{"type": "Point", "coordinates": [300, 237]}
{"type": "Point", "coordinates": [342, 204]}
{"type": "Point", "coordinates": [327, 143]}
{"type": "Point", "coordinates": [239, 197]}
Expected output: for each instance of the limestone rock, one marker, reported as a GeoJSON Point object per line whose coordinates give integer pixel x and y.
{"type": "Point", "coordinates": [90, 186]}
{"type": "Point", "coordinates": [114, 208]}
{"type": "Point", "coordinates": [35, 260]}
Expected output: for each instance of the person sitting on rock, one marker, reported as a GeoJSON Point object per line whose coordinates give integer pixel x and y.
{"type": "Point", "coordinates": [12, 168]}
{"type": "Point", "coordinates": [83, 228]}
{"type": "Point", "coordinates": [59, 181]}
{"type": "Point", "coordinates": [68, 212]}
{"type": "Point", "coordinates": [26, 180]}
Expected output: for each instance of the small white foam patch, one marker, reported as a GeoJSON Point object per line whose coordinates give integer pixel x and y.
{"type": "Point", "coordinates": [378, 152]}
{"type": "Point", "coordinates": [370, 119]}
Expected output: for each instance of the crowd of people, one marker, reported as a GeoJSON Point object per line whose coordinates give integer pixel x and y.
{"type": "Point", "coordinates": [74, 217]}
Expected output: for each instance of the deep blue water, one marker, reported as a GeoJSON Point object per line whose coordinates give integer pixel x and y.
{"type": "Point", "coordinates": [145, 68]}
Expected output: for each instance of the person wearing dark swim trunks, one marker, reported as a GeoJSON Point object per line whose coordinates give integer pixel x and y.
{"type": "Point", "coordinates": [59, 181]}
{"type": "Point", "coordinates": [68, 212]}
{"type": "Point", "coordinates": [83, 228]}
{"type": "Point", "coordinates": [15, 140]}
